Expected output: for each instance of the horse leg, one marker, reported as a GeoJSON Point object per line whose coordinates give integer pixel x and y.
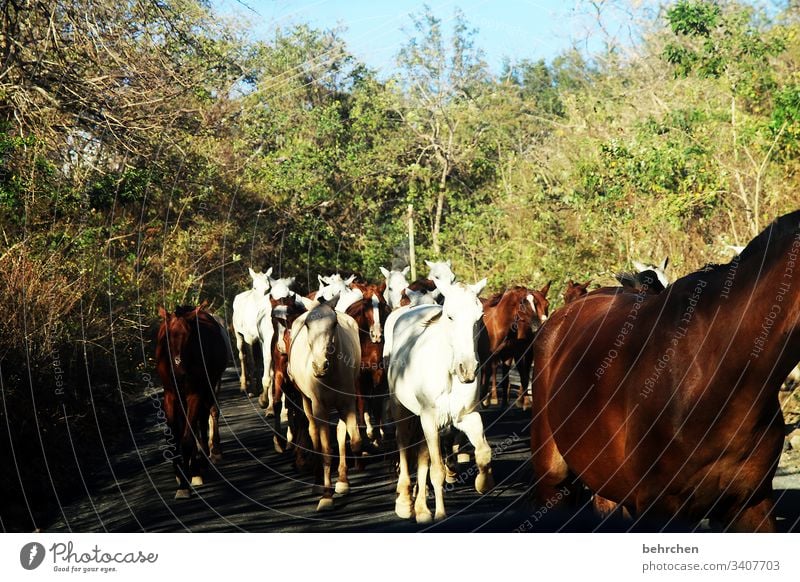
{"type": "Point", "coordinates": [403, 419]}
{"type": "Point", "coordinates": [493, 393]}
{"type": "Point", "coordinates": [313, 435]}
{"type": "Point", "coordinates": [278, 440]}
{"type": "Point", "coordinates": [214, 447]}
{"type": "Point", "coordinates": [755, 518]}
{"type": "Point", "coordinates": [376, 404]}
{"type": "Point", "coordinates": [342, 486]}
{"type": "Point", "coordinates": [361, 405]}
{"type": "Point", "coordinates": [198, 420]}
{"type": "Point", "coordinates": [265, 399]}
{"type": "Point", "coordinates": [504, 383]}
{"type": "Point", "coordinates": [549, 467]}
{"type": "Point", "coordinates": [423, 514]}
{"type": "Point", "coordinates": [431, 431]}
{"type": "Point", "coordinates": [243, 361]}
{"type": "Point", "coordinates": [604, 508]}
{"type": "Point", "coordinates": [174, 414]}
{"type": "Point", "coordinates": [472, 426]}
{"type": "Point", "coordinates": [351, 421]}
{"type": "Point", "coordinates": [326, 503]}
{"type": "Point", "coordinates": [523, 366]}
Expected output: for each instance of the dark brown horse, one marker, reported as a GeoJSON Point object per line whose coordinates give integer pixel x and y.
{"type": "Point", "coordinates": [575, 290]}
{"type": "Point", "coordinates": [372, 391]}
{"type": "Point", "coordinates": [191, 355]}
{"type": "Point", "coordinates": [510, 322]}
{"type": "Point", "coordinates": [668, 404]}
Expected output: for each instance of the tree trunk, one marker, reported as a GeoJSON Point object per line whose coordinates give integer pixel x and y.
{"type": "Point", "coordinates": [437, 223]}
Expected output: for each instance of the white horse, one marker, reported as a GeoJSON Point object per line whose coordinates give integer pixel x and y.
{"type": "Point", "coordinates": [432, 375]}
{"type": "Point", "coordinates": [281, 288]}
{"type": "Point", "coordinates": [252, 322]}
{"type": "Point", "coordinates": [440, 272]}
{"type": "Point", "coordinates": [660, 270]}
{"type": "Point", "coordinates": [396, 282]}
{"type": "Point", "coordinates": [334, 285]}
{"type": "Point", "coordinates": [324, 360]}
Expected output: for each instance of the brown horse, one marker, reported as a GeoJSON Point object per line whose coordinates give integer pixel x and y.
{"type": "Point", "coordinates": [372, 391]}
{"type": "Point", "coordinates": [575, 290]}
{"type": "Point", "coordinates": [668, 404]}
{"type": "Point", "coordinates": [284, 312]}
{"type": "Point", "coordinates": [191, 355]}
{"type": "Point", "coordinates": [510, 322]}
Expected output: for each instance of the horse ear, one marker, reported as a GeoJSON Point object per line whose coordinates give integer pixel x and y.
{"type": "Point", "coordinates": [478, 287]}
{"type": "Point", "coordinates": [427, 262]}
{"type": "Point", "coordinates": [163, 313]}
{"type": "Point", "coordinates": [664, 264]}
{"type": "Point", "coordinates": [269, 272]}
{"type": "Point", "coordinates": [570, 283]}
{"type": "Point", "coordinates": [442, 285]}
{"type": "Point", "coordinates": [406, 270]}
{"type": "Point", "coordinates": [290, 282]}
{"type": "Point", "coordinates": [385, 272]}
{"type": "Point", "coordinates": [639, 266]}
{"type": "Point", "coordinates": [447, 262]}
{"type": "Point", "coordinates": [202, 306]}
{"type": "Point", "coordinates": [545, 289]}
{"type": "Point", "coordinates": [586, 285]}
{"type": "Point", "coordinates": [321, 280]}
{"type": "Point", "coordinates": [252, 272]}
{"type": "Point", "coordinates": [349, 280]}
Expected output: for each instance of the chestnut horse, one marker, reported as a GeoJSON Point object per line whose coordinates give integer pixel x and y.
{"type": "Point", "coordinates": [668, 404]}
{"type": "Point", "coordinates": [191, 355]}
{"type": "Point", "coordinates": [510, 322]}
{"type": "Point", "coordinates": [284, 312]}
{"type": "Point", "coordinates": [370, 315]}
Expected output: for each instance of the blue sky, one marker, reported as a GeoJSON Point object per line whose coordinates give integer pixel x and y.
{"type": "Point", "coordinates": [518, 29]}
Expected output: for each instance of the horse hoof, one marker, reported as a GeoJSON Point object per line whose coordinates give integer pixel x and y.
{"type": "Point", "coordinates": [183, 494]}
{"type": "Point", "coordinates": [439, 516]}
{"type": "Point", "coordinates": [342, 487]}
{"type": "Point", "coordinates": [462, 458]}
{"type": "Point", "coordinates": [403, 509]}
{"type": "Point", "coordinates": [484, 482]}
{"type": "Point", "coordinates": [197, 481]}
{"type": "Point", "coordinates": [278, 447]}
{"type": "Point", "coordinates": [325, 504]}
{"type": "Point", "coordinates": [426, 517]}
{"type": "Point", "coordinates": [216, 458]}
{"type": "Point", "coordinates": [451, 477]}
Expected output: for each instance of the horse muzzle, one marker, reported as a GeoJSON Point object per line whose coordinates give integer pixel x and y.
{"type": "Point", "coordinates": [466, 371]}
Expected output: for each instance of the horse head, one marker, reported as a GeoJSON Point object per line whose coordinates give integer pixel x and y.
{"type": "Point", "coordinates": [441, 272]}
{"type": "Point", "coordinates": [280, 288]}
{"type": "Point", "coordinates": [395, 283]}
{"type": "Point", "coordinates": [461, 311]}
{"type": "Point", "coordinates": [539, 304]}
{"type": "Point", "coordinates": [575, 290]}
{"type": "Point", "coordinates": [261, 281]}
{"type": "Point", "coordinates": [321, 325]}
{"type": "Point", "coordinates": [176, 330]}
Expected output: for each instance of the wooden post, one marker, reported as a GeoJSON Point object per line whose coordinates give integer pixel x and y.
{"type": "Point", "coordinates": [412, 257]}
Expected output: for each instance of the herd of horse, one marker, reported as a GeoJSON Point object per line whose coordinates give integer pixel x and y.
{"type": "Point", "coordinates": [659, 399]}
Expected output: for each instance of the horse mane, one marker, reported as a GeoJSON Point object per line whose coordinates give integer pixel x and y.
{"type": "Point", "coordinates": [770, 238]}
{"type": "Point", "coordinates": [494, 299]}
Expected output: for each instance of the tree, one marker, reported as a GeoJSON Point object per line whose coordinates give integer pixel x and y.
{"type": "Point", "coordinates": [443, 78]}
